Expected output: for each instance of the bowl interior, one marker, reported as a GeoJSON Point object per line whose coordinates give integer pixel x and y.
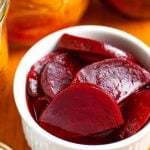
{"type": "Point", "coordinates": [115, 37]}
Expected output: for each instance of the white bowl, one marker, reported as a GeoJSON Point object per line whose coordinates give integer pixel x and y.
{"type": "Point", "coordinates": [38, 138]}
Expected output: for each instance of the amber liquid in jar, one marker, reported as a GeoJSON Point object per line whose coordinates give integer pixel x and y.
{"type": "Point", "coordinates": [3, 50]}
{"type": "Point", "coordinates": [29, 21]}
{"type": "Point", "coordinates": [3, 61]}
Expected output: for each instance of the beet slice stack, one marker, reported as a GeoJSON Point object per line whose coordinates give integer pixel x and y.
{"type": "Point", "coordinates": [33, 78]}
{"type": "Point", "coordinates": [89, 92]}
{"type": "Point", "coordinates": [81, 109]}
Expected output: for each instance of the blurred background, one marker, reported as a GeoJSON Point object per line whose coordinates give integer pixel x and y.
{"type": "Point", "coordinates": [30, 20]}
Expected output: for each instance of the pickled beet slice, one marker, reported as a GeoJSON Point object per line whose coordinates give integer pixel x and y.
{"type": "Point", "coordinates": [39, 104]}
{"type": "Point", "coordinates": [38, 66]}
{"type": "Point", "coordinates": [84, 57]}
{"type": "Point", "coordinates": [58, 73]}
{"type": "Point", "coordinates": [81, 109]}
{"type": "Point", "coordinates": [136, 112]}
{"type": "Point", "coordinates": [116, 76]}
{"type": "Point", "coordinates": [33, 85]}
{"type": "Point", "coordinates": [97, 138]}
{"type": "Point", "coordinates": [84, 44]}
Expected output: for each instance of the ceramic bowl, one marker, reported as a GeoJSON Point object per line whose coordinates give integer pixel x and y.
{"type": "Point", "coordinates": [38, 138]}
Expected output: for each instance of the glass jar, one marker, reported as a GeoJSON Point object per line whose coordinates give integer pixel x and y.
{"type": "Point", "coordinates": [30, 20]}
{"type": "Point", "coordinates": [3, 48]}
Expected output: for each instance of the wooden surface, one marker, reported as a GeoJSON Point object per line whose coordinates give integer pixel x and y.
{"type": "Point", "coordinates": [10, 125]}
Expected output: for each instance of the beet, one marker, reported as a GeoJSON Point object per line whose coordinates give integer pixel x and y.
{"type": "Point", "coordinates": [136, 112]}
{"type": "Point", "coordinates": [89, 58]}
{"type": "Point", "coordinates": [81, 109]}
{"type": "Point", "coordinates": [58, 73]}
{"type": "Point", "coordinates": [33, 78]}
{"type": "Point", "coordinates": [39, 104]}
{"type": "Point", "coordinates": [75, 43]}
{"type": "Point", "coordinates": [118, 77]}
{"type": "Point", "coordinates": [97, 138]}
{"type": "Point", "coordinates": [84, 57]}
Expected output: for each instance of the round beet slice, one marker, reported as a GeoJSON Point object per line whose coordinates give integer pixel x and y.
{"type": "Point", "coordinates": [118, 77]}
{"type": "Point", "coordinates": [75, 43]}
{"type": "Point", "coordinates": [136, 112]}
{"type": "Point", "coordinates": [58, 73]}
{"type": "Point", "coordinates": [81, 109]}
{"type": "Point", "coordinates": [33, 77]}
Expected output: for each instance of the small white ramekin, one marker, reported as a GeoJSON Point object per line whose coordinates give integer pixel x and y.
{"type": "Point", "coordinates": [38, 138]}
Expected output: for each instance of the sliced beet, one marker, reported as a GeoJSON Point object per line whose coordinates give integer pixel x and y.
{"type": "Point", "coordinates": [136, 112]}
{"type": "Point", "coordinates": [38, 66]}
{"type": "Point", "coordinates": [84, 44]}
{"type": "Point", "coordinates": [81, 109]}
{"type": "Point", "coordinates": [58, 73]}
{"type": "Point", "coordinates": [33, 84]}
{"type": "Point", "coordinates": [116, 76]}
{"type": "Point", "coordinates": [89, 58]}
{"type": "Point", "coordinates": [39, 104]}
{"type": "Point", "coordinates": [97, 138]}
{"type": "Point", "coordinates": [84, 57]}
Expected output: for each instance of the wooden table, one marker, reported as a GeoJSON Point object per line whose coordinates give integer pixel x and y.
{"type": "Point", "coordinates": [10, 125]}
